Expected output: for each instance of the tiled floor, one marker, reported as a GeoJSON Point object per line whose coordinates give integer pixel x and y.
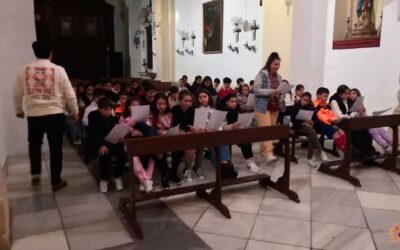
{"type": "Point", "coordinates": [332, 214]}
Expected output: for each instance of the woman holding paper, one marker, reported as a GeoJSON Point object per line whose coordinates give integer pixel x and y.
{"type": "Point", "coordinates": [267, 100]}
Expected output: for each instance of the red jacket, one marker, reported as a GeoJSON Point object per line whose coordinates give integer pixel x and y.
{"type": "Point", "coordinates": [222, 93]}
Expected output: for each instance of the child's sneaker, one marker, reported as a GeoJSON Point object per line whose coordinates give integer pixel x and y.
{"type": "Point", "coordinates": [187, 176]}
{"type": "Point", "coordinates": [118, 184]}
{"type": "Point", "coordinates": [252, 166]}
{"type": "Point", "coordinates": [271, 158]}
{"type": "Point", "coordinates": [199, 173]}
{"type": "Point", "coordinates": [141, 187]}
{"type": "Point", "coordinates": [324, 156]}
{"type": "Point", "coordinates": [103, 187]}
{"type": "Point", "coordinates": [148, 186]}
{"type": "Point", "coordinates": [312, 163]}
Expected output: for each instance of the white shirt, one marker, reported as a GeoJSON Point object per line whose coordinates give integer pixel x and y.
{"type": "Point", "coordinates": [92, 107]}
{"type": "Point", "coordinates": [338, 112]}
{"type": "Point", "coordinates": [46, 89]}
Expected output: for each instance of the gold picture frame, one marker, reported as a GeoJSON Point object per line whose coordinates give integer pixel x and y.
{"type": "Point", "coordinates": [213, 23]}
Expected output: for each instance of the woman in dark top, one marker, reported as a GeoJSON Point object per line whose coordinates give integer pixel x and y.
{"type": "Point", "coordinates": [207, 85]}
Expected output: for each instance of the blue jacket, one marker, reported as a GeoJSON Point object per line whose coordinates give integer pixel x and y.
{"type": "Point", "coordinates": [262, 91]}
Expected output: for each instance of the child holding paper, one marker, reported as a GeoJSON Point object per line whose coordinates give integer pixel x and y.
{"type": "Point", "coordinates": [341, 107]}
{"type": "Point", "coordinates": [101, 122]}
{"type": "Point", "coordinates": [232, 116]}
{"type": "Point", "coordinates": [183, 115]}
{"type": "Point", "coordinates": [242, 99]}
{"type": "Point", "coordinates": [204, 100]}
{"type": "Point", "coordinates": [380, 135]}
{"type": "Point", "coordinates": [306, 127]}
{"type": "Point", "coordinates": [122, 100]}
{"type": "Point", "coordinates": [326, 122]}
{"type": "Point", "coordinates": [161, 120]}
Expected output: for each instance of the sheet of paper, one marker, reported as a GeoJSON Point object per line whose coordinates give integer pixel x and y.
{"type": "Point", "coordinates": [305, 115]}
{"type": "Point", "coordinates": [201, 117]}
{"type": "Point", "coordinates": [140, 113]}
{"type": "Point", "coordinates": [246, 119]}
{"type": "Point", "coordinates": [216, 120]}
{"type": "Point", "coordinates": [251, 100]}
{"type": "Point", "coordinates": [173, 131]}
{"type": "Point", "coordinates": [119, 131]}
{"type": "Point", "coordinates": [285, 88]}
{"type": "Point", "coordinates": [380, 112]}
{"type": "Point", "coordinates": [357, 104]}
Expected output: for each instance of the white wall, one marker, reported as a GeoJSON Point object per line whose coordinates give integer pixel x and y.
{"type": "Point", "coordinates": [188, 17]}
{"type": "Point", "coordinates": [18, 32]}
{"type": "Point", "coordinates": [375, 71]}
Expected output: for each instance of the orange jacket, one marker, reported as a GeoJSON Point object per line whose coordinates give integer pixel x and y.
{"type": "Point", "coordinates": [324, 113]}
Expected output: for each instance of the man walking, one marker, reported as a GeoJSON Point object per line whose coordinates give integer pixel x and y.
{"type": "Point", "coordinates": [45, 89]}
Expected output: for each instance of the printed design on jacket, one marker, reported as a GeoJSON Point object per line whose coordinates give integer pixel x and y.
{"type": "Point", "coordinates": [40, 83]}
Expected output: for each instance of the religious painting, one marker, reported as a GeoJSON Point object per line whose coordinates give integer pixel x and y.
{"type": "Point", "coordinates": [213, 12]}
{"type": "Point", "coordinates": [358, 24]}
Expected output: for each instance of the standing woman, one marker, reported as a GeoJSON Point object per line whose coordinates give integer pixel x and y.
{"type": "Point", "coordinates": [267, 100]}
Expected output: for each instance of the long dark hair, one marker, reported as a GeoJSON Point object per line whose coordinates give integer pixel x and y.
{"type": "Point", "coordinates": [154, 110]}
{"type": "Point", "coordinates": [210, 99]}
{"type": "Point", "coordinates": [207, 78]}
{"type": "Point", "coordinates": [127, 108]}
{"type": "Point", "coordinates": [272, 57]}
{"type": "Point", "coordinates": [196, 78]}
{"type": "Point", "coordinates": [358, 92]}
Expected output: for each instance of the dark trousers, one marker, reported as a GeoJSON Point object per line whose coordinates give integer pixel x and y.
{"type": "Point", "coordinates": [247, 150]}
{"type": "Point", "coordinates": [105, 168]}
{"type": "Point", "coordinates": [53, 126]}
{"type": "Point", "coordinates": [175, 161]}
{"type": "Point", "coordinates": [162, 163]}
{"type": "Point", "coordinates": [313, 140]}
{"type": "Point", "coordinates": [362, 141]}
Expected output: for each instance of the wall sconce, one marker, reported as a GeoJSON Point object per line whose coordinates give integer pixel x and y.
{"type": "Point", "coordinates": [250, 47]}
{"type": "Point", "coordinates": [288, 4]}
{"type": "Point", "coordinates": [189, 52]}
{"type": "Point", "coordinates": [180, 52]}
{"type": "Point", "coordinates": [233, 49]}
{"type": "Point", "coordinates": [193, 36]}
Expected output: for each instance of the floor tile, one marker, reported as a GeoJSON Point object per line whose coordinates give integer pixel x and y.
{"type": "Point", "coordinates": [213, 221]}
{"type": "Point", "coordinates": [84, 214]}
{"type": "Point", "coordinates": [35, 223]}
{"type": "Point", "coordinates": [262, 245]}
{"type": "Point", "coordinates": [221, 242]}
{"type": "Point", "coordinates": [379, 186]}
{"type": "Point", "coordinates": [98, 235]}
{"type": "Point", "coordinates": [383, 241]}
{"type": "Point", "coordinates": [300, 183]}
{"type": "Point", "coordinates": [279, 230]}
{"type": "Point", "coordinates": [329, 236]}
{"type": "Point", "coordinates": [323, 180]}
{"type": "Point", "coordinates": [47, 241]}
{"type": "Point", "coordinates": [32, 204]}
{"type": "Point", "coordinates": [189, 199]}
{"type": "Point", "coordinates": [24, 189]}
{"type": "Point", "coordinates": [381, 220]}
{"type": "Point", "coordinates": [370, 173]}
{"type": "Point", "coordinates": [237, 202]}
{"type": "Point", "coordinates": [189, 215]}
{"type": "Point", "coordinates": [379, 201]}
{"type": "Point", "coordinates": [76, 197]}
{"type": "Point", "coordinates": [334, 196]}
{"type": "Point", "coordinates": [252, 188]}
{"type": "Point", "coordinates": [337, 214]}
{"type": "Point", "coordinates": [285, 208]}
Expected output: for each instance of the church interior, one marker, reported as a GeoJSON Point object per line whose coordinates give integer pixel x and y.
{"type": "Point", "coordinates": [200, 124]}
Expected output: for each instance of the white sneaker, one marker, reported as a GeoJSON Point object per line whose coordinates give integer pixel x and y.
{"type": "Point", "coordinates": [103, 187]}
{"type": "Point", "coordinates": [141, 187]}
{"type": "Point", "coordinates": [324, 157]}
{"type": "Point", "coordinates": [148, 186]}
{"type": "Point", "coordinates": [199, 173]}
{"type": "Point", "coordinates": [187, 176]}
{"type": "Point", "coordinates": [271, 158]}
{"type": "Point", "coordinates": [252, 166]}
{"type": "Point", "coordinates": [118, 184]}
{"type": "Point", "coordinates": [312, 163]}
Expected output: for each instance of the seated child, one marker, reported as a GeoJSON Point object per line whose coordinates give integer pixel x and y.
{"type": "Point", "coordinates": [326, 120]}
{"type": "Point", "coordinates": [242, 99]}
{"type": "Point", "coordinates": [173, 96]}
{"type": "Point", "coordinates": [149, 93]}
{"type": "Point", "coordinates": [121, 101]}
{"type": "Point", "coordinates": [161, 120]}
{"type": "Point", "coordinates": [298, 92]}
{"type": "Point", "coordinates": [101, 122]}
{"type": "Point", "coordinates": [139, 129]}
{"type": "Point", "coordinates": [232, 116]}
{"type": "Point", "coordinates": [225, 90]}
{"type": "Point", "coordinates": [205, 100]}
{"type": "Point", "coordinates": [98, 93]}
{"type": "Point", "coordinates": [306, 128]}
{"type": "Point", "coordinates": [380, 135]}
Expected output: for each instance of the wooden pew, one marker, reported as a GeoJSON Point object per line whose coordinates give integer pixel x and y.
{"type": "Point", "coordinates": [343, 171]}
{"type": "Point", "coordinates": [156, 145]}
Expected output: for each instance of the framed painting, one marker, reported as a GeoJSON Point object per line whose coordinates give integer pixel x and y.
{"type": "Point", "coordinates": [213, 18]}
{"type": "Point", "coordinates": [358, 24]}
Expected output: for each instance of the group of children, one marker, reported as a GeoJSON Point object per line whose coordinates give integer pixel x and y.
{"type": "Point", "coordinates": [109, 105]}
